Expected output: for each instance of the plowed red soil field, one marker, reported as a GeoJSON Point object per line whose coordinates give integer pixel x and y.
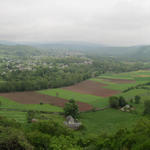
{"type": "Point", "coordinates": [36, 98]}
{"type": "Point", "coordinates": [92, 88]}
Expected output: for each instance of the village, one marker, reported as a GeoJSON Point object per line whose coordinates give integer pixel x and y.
{"type": "Point", "coordinates": [32, 63]}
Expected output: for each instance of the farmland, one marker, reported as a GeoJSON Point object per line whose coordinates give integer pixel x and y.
{"type": "Point", "coordinates": [74, 75]}
{"type": "Point", "coordinates": [52, 100]}
{"type": "Point", "coordinates": [109, 119]}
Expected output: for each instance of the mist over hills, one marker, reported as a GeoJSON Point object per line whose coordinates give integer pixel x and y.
{"type": "Point", "coordinates": [18, 50]}
{"type": "Point", "coordinates": [25, 48]}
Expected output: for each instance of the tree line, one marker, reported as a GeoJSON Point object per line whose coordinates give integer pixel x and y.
{"type": "Point", "coordinates": [45, 77]}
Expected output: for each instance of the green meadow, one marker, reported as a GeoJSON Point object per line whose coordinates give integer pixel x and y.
{"type": "Point", "coordinates": [15, 115]}
{"type": "Point", "coordinates": [95, 101]}
{"type": "Point", "coordinates": [108, 120]}
{"type": "Point", "coordinates": [18, 115]}
{"type": "Point", "coordinates": [9, 104]}
{"type": "Point", "coordinates": [128, 76]}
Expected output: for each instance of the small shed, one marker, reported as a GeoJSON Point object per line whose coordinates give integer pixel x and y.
{"type": "Point", "coordinates": [72, 123]}
{"type": "Point", "coordinates": [127, 108]}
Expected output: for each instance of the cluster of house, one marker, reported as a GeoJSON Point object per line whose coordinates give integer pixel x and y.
{"type": "Point", "coordinates": [14, 64]}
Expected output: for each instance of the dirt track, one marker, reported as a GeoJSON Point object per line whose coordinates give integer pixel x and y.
{"type": "Point", "coordinates": [36, 98]}
{"type": "Point", "coordinates": [92, 88]}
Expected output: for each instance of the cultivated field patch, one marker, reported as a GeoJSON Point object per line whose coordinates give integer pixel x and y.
{"type": "Point", "coordinates": [109, 120]}
{"type": "Point", "coordinates": [93, 100]}
{"type": "Point", "coordinates": [119, 81]}
{"type": "Point", "coordinates": [143, 75]}
{"type": "Point", "coordinates": [92, 88]}
{"type": "Point", "coordinates": [15, 115]}
{"type": "Point", "coordinates": [37, 98]}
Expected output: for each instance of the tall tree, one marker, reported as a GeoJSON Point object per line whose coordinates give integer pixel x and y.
{"type": "Point", "coordinates": [71, 108]}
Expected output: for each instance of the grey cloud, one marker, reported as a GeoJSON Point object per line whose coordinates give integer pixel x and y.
{"type": "Point", "coordinates": [113, 22]}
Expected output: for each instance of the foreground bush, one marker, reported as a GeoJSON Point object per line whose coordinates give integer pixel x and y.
{"type": "Point", "coordinates": [114, 102]}
{"type": "Point", "coordinates": [147, 107]}
{"type": "Point", "coordinates": [13, 139]}
{"type": "Point", "coordinates": [124, 139]}
{"type": "Point", "coordinates": [49, 135]}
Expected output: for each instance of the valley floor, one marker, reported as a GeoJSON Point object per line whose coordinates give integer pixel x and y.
{"type": "Point", "coordinates": [107, 120]}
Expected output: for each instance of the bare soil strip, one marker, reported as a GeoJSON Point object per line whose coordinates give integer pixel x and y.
{"type": "Point", "coordinates": [92, 88]}
{"type": "Point", "coordinates": [119, 81]}
{"type": "Point", "coordinates": [36, 98]}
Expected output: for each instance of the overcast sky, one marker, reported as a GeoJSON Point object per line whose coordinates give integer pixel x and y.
{"type": "Point", "coordinates": [112, 22]}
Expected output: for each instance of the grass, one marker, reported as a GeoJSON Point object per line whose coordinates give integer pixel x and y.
{"type": "Point", "coordinates": [114, 86]}
{"type": "Point", "coordinates": [127, 75]}
{"type": "Point", "coordinates": [120, 87]}
{"type": "Point", "coordinates": [132, 93]}
{"type": "Point", "coordinates": [6, 103]}
{"type": "Point", "coordinates": [55, 117]}
{"type": "Point", "coordinates": [95, 101]}
{"type": "Point", "coordinates": [108, 121]}
{"type": "Point", "coordinates": [15, 115]}
{"type": "Point", "coordinates": [22, 116]}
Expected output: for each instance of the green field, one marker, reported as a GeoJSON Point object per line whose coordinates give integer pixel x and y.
{"type": "Point", "coordinates": [15, 115]}
{"type": "Point", "coordinates": [6, 103]}
{"type": "Point", "coordinates": [108, 120]}
{"type": "Point", "coordinates": [129, 76]}
{"type": "Point", "coordinates": [20, 116]}
{"type": "Point", "coordinates": [95, 101]}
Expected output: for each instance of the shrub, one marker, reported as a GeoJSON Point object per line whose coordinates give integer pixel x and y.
{"type": "Point", "coordinates": [122, 101]}
{"type": "Point", "coordinates": [131, 100]}
{"type": "Point", "coordinates": [147, 107]}
{"type": "Point", "coordinates": [114, 102]}
{"type": "Point", "coordinates": [13, 139]}
{"type": "Point", "coordinates": [50, 127]}
{"type": "Point", "coordinates": [30, 116]}
{"type": "Point", "coordinates": [94, 109]}
{"type": "Point", "coordinates": [39, 140]}
{"type": "Point", "coordinates": [41, 103]}
{"type": "Point", "coordinates": [137, 99]}
{"type": "Point", "coordinates": [9, 123]}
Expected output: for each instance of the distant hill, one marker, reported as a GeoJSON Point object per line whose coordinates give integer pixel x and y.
{"type": "Point", "coordinates": [142, 53]}
{"type": "Point", "coordinates": [68, 45]}
{"type": "Point", "coordinates": [132, 52]}
{"type": "Point", "coordinates": [19, 50]}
